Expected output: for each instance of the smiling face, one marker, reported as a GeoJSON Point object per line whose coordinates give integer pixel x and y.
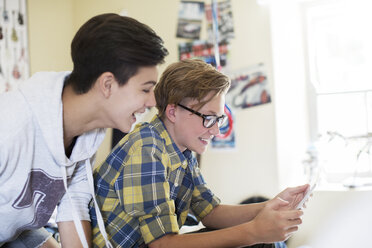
{"type": "Point", "coordinates": [132, 98]}
{"type": "Point", "coordinates": [188, 131]}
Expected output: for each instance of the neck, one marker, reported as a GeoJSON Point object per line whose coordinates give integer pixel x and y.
{"type": "Point", "coordinates": [78, 115]}
{"type": "Point", "coordinates": [172, 132]}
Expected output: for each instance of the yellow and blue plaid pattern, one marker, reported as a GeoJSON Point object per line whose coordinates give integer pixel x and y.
{"type": "Point", "coordinates": [146, 188]}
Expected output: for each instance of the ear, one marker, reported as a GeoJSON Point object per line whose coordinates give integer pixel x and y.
{"type": "Point", "coordinates": [170, 112]}
{"type": "Point", "coordinates": [106, 84]}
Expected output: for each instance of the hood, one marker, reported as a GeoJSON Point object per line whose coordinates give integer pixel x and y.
{"type": "Point", "coordinates": [43, 94]}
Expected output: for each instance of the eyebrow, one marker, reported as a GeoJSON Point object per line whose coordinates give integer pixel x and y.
{"type": "Point", "coordinates": [214, 113]}
{"type": "Point", "coordinates": [149, 82]}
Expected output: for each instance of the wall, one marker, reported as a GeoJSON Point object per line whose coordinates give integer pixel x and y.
{"type": "Point", "coordinates": [50, 34]}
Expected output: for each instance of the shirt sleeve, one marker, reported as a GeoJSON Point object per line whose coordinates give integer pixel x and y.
{"type": "Point", "coordinates": [203, 200]}
{"type": "Point", "coordinates": [146, 192]}
{"type": "Point", "coordinates": [78, 188]}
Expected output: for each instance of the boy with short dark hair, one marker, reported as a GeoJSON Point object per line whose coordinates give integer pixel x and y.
{"type": "Point", "coordinates": [151, 180]}
{"type": "Point", "coordinates": [53, 125]}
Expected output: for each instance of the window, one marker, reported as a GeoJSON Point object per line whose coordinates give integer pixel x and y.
{"type": "Point", "coordinates": [339, 44]}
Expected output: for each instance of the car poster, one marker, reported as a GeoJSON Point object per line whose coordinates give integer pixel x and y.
{"type": "Point", "coordinates": [190, 16]}
{"type": "Point", "coordinates": [249, 87]}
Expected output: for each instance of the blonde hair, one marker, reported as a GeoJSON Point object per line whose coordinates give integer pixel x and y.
{"type": "Point", "coordinates": [190, 78]}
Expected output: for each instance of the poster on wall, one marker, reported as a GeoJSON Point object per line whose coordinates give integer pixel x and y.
{"type": "Point", "coordinates": [227, 143]}
{"type": "Point", "coordinates": [225, 22]}
{"type": "Point", "coordinates": [249, 87]}
{"type": "Point", "coordinates": [14, 64]}
{"type": "Point", "coordinates": [190, 16]}
{"type": "Point", "coordinates": [226, 139]}
{"type": "Point", "coordinates": [202, 50]}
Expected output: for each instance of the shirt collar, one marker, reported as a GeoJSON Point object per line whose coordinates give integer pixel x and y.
{"type": "Point", "coordinates": [174, 152]}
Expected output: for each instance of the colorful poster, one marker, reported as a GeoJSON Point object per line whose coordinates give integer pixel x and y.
{"type": "Point", "coordinates": [226, 138]}
{"type": "Point", "coordinates": [249, 87]}
{"type": "Point", "coordinates": [190, 18]}
{"type": "Point", "coordinates": [226, 143]}
{"type": "Point", "coordinates": [225, 22]}
{"type": "Point", "coordinates": [202, 50]}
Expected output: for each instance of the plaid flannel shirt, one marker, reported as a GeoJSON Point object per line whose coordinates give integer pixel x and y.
{"type": "Point", "coordinates": [146, 188]}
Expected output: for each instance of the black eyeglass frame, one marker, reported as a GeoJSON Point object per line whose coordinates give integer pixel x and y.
{"type": "Point", "coordinates": [207, 118]}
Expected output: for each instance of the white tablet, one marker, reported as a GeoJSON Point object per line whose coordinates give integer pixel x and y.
{"type": "Point", "coordinates": [307, 195]}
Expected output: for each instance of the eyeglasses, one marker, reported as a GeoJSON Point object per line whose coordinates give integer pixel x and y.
{"type": "Point", "coordinates": [208, 120]}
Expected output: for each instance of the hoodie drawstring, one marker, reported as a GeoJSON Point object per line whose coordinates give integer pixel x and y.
{"type": "Point", "coordinates": [101, 225]}
{"type": "Point", "coordinates": [75, 216]}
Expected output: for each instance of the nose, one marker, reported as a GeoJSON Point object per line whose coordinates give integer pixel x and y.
{"type": "Point", "coordinates": [151, 102]}
{"type": "Point", "coordinates": [214, 130]}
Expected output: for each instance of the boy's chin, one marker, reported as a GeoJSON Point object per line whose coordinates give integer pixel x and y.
{"type": "Point", "coordinates": [126, 128]}
{"type": "Point", "coordinates": [201, 150]}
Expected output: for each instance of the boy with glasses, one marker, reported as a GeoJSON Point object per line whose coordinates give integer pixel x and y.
{"type": "Point", "coordinates": [151, 180]}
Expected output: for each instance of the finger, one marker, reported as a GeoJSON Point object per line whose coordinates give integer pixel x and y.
{"type": "Point", "coordinates": [294, 222]}
{"type": "Point", "coordinates": [291, 230]}
{"type": "Point", "coordinates": [292, 214]}
{"type": "Point", "coordinates": [282, 200]}
{"type": "Point", "coordinates": [299, 189]}
{"type": "Point", "coordinates": [278, 203]}
{"type": "Point", "coordinates": [297, 199]}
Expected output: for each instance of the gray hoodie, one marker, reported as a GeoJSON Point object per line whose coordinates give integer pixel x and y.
{"type": "Point", "coordinates": [33, 161]}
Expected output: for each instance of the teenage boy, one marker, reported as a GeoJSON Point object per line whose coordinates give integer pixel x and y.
{"type": "Point", "coordinates": [52, 126]}
{"type": "Point", "coordinates": [151, 180]}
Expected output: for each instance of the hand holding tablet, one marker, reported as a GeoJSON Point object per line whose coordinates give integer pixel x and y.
{"type": "Point", "coordinates": [300, 205]}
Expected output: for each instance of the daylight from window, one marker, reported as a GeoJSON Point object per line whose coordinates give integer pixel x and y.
{"type": "Point", "coordinates": [339, 40]}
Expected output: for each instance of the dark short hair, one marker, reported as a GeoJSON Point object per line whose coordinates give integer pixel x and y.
{"type": "Point", "coordinates": [112, 43]}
